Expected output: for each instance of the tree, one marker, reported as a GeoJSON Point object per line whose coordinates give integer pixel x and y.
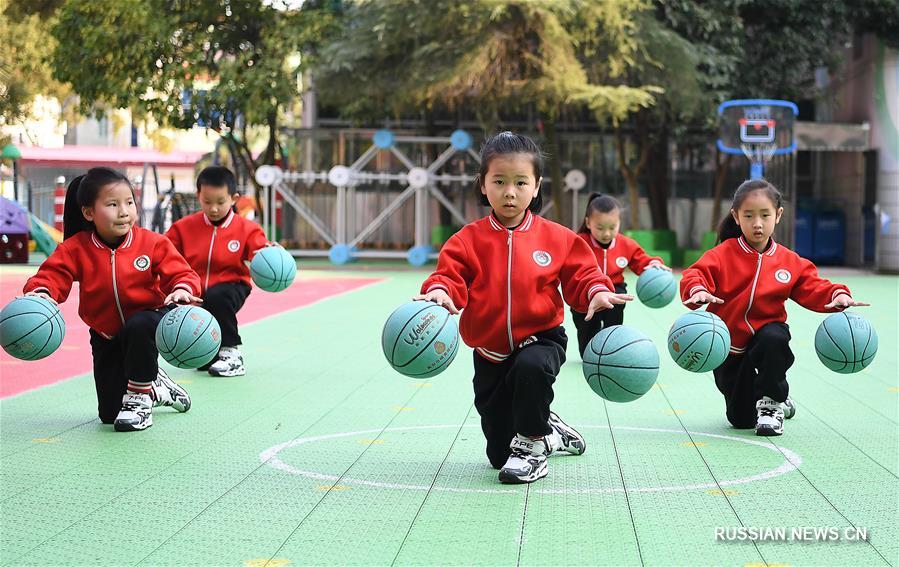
{"type": "Point", "coordinates": [492, 56]}
{"type": "Point", "coordinates": [24, 73]}
{"type": "Point", "coordinates": [662, 58]}
{"type": "Point", "coordinates": [228, 66]}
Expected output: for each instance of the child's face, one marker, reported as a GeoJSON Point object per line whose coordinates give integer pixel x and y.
{"type": "Point", "coordinates": [604, 226]}
{"type": "Point", "coordinates": [757, 217]}
{"type": "Point", "coordinates": [215, 201]}
{"type": "Point", "coordinates": [510, 186]}
{"type": "Point", "coordinates": [113, 212]}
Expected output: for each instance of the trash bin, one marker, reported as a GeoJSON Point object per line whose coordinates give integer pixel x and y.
{"type": "Point", "coordinates": [804, 237]}
{"type": "Point", "coordinates": [829, 238]}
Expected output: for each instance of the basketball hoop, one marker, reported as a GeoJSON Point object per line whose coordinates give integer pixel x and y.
{"type": "Point", "coordinates": [759, 129]}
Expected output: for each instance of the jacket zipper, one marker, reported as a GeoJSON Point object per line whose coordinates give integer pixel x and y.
{"type": "Point", "coordinates": [509, 295]}
{"type": "Point", "coordinates": [209, 259]}
{"type": "Point", "coordinates": [115, 288]}
{"type": "Point", "coordinates": [605, 268]}
{"type": "Point", "coordinates": [758, 269]}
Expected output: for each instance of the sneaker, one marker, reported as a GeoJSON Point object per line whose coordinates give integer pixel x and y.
{"type": "Point", "coordinates": [770, 419]}
{"type": "Point", "coordinates": [564, 437]}
{"type": "Point", "coordinates": [136, 413]}
{"type": "Point", "coordinates": [229, 363]}
{"type": "Point", "coordinates": [789, 407]}
{"type": "Point", "coordinates": [527, 462]}
{"type": "Point", "coordinates": [167, 393]}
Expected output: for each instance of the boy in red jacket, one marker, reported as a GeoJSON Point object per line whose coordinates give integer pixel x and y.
{"type": "Point", "coordinates": [614, 252]}
{"type": "Point", "coordinates": [746, 280]}
{"type": "Point", "coordinates": [505, 271]}
{"type": "Point", "coordinates": [128, 277]}
{"type": "Point", "coordinates": [217, 243]}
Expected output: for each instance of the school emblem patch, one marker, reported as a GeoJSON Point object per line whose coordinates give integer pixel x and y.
{"type": "Point", "coordinates": [234, 245]}
{"type": "Point", "coordinates": [621, 262]}
{"type": "Point", "coordinates": [142, 263]}
{"type": "Point", "coordinates": [783, 276]}
{"type": "Point", "coordinates": [542, 258]}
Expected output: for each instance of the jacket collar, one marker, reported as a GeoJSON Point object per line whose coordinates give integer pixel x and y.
{"type": "Point", "coordinates": [98, 242]}
{"type": "Point", "coordinates": [598, 245]}
{"type": "Point", "coordinates": [525, 225]}
{"type": "Point", "coordinates": [224, 224]}
{"type": "Point", "coordinates": [750, 250]}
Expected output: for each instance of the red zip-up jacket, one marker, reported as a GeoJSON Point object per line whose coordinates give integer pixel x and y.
{"type": "Point", "coordinates": [507, 281]}
{"type": "Point", "coordinates": [217, 253]}
{"type": "Point", "coordinates": [623, 252]}
{"type": "Point", "coordinates": [114, 283]}
{"type": "Point", "coordinates": [755, 286]}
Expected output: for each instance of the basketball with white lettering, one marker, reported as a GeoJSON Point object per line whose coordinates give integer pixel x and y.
{"type": "Point", "coordinates": [420, 339]}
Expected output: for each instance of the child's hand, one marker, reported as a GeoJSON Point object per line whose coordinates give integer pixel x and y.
{"type": "Point", "coordinates": [182, 297]}
{"type": "Point", "coordinates": [701, 298]}
{"type": "Point", "coordinates": [606, 300]}
{"type": "Point", "coordinates": [439, 297]}
{"type": "Point", "coordinates": [42, 295]}
{"type": "Point", "coordinates": [661, 267]}
{"type": "Point", "coordinates": [843, 301]}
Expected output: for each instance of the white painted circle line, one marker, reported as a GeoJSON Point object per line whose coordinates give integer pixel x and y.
{"type": "Point", "coordinates": [270, 457]}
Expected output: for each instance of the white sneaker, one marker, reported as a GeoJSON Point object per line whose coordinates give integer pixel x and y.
{"type": "Point", "coordinates": [770, 417]}
{"type": "Point", "coordinates": [564, 437]}
{"type": "Point", "coordinates": [167, 393]}
{"type": "Point", "coordinates": [229, 363]}
{"type": "Point", "coordinates": [136, 413]}
{"type": "Point", "coordinates": [527, 462]}
{"type": "Point", "coordinates": [789, 408]}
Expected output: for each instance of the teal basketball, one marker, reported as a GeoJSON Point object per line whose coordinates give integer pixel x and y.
{"type": "Point", "coordinates": [273, 269]}
{"type": "Point", "coordinates": [420, 339]}
{"type": "Point", "coordinates": [699, 341]}
{"type": "Point", "coordinates": [846, 342]}
{"type": "Point", "coordinates": [31, 328]}
{"type": "Point", "coordinates": [620, 363]}
{"type": "Point", "coordinates": [188, 337]}
{"type": "Point", "coordinates": [656, 287]}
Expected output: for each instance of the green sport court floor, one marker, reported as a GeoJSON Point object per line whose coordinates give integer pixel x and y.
{"type": "Point", "coordinates": [322, 455]}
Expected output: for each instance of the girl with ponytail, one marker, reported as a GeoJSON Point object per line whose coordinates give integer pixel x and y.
{"type": "Point", "coordinates": [129, 278]}
{"type": "Point", "coordinates": [746, 280]}
{"type": "Point", "coordinates": [614, 252]}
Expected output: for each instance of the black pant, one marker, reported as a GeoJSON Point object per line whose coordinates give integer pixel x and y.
{"type": "Point", "coordinates": [514, 396]}
{"type": "Point", "coordinates": [760, 371]}
{"type": "Point", "coordinates": [131, 354]}
{"type": "Point", "coordinates": [586, 330]}
{"type": "Point", "coordinates": [224, 300]}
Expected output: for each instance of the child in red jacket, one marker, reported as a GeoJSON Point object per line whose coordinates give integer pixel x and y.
{"type": "Point", "coordinates": [217, 243]}
{"type": "Point", "coordinates": [504, 271]}
{"type": "Point", "coordinates": [746, 280]}
{"type": "Point", "coordinates": [613, 252]}
{"type": "Point", "coordinates": [129, 277]}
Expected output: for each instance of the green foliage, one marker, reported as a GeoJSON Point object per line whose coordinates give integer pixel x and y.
{"type": "Point", "coordinates": [396, 57]}
{"type": "Point", "coordinates": [23, 70]}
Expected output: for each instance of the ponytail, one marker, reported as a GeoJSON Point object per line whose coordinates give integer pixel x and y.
{"type": "Point", "coordinates": [597, 202]}
{"type": "Point", "coordinates": [728, 227]}
{"type": "Point", "coordinates": [73, 220]}
{"type": "Point", "coordinates": [82, 192]}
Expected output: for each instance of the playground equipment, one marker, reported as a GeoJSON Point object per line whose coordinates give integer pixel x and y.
{"type": "Point", "coordinates": [421, 183]}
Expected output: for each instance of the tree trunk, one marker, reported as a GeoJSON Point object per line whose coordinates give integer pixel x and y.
{"type": "Point", "coordinates": [557, 185]}
{"type": "Point", "coordinates": [631, 174]}
{"type": "Point", "coordinates": [720, 177]}
{"type": "Point", "coordinates": [658, 183]}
